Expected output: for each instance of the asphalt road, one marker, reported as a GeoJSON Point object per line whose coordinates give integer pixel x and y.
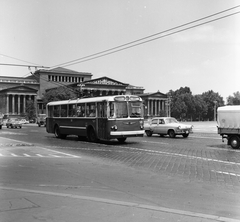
{"type": "Point", "coordinates": [146, 179]}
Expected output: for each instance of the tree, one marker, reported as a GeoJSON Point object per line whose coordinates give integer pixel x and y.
{"type": "Point", "coordinates": [235, 99]}
{"type": "Point", "coordinates": [30, 110]}
{"type": "Point", "coordinates": [61, 93]}
{"type": "Point", "coordinates": [200, 108]}
{"type": "Point", "coordinates": [182, 103]}
{"type": "Point", "coordinates": [210, 98]}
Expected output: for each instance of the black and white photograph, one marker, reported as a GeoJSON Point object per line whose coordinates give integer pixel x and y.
{"type": "Point", "coordinates": [119, 111]}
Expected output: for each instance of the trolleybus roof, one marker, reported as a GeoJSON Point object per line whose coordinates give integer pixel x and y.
{"type": "Point", "coordinates": [97, 99]}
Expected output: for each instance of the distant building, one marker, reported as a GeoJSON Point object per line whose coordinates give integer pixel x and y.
{"type": "Point", "coordinates": [16, 91]}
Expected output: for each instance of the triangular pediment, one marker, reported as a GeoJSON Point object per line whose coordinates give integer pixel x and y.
{"type": "Point", "coordinates": [155, 94]}
{"type": "Point", "coordinates": [20, 88]}
{"type": "Point", "coordinates": [105, 81]}
{"type": "Point", "coordinates": [63, 71]}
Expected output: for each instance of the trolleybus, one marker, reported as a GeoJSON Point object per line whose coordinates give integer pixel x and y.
{"type": "Point", "coordinates": [97, 118]}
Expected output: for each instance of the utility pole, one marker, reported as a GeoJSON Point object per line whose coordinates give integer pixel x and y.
{"type": "Point", "coordinates": [80, 89]}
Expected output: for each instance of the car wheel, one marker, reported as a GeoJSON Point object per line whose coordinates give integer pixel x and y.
{"type": "Point", "coordinates": [234, 141]}
{"type": "Point", "coordinates": [185, 135]}
{"type": "Point", "coordinates": [20, 127]}
{"type": "Point", "coordinates": [171, 134]}
{"type": "Point", "coordinates": [148, 133]}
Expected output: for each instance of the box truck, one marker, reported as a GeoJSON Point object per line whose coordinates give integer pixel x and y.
{"type": "Point", "coordinates": [228, 118]}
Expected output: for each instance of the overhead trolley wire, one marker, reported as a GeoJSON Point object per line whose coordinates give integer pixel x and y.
{"type": "Point", "coordinates": [150, 37]}
{"type": "Point", "coordinates": [19, 59]}
{"type": "Point", "coordinates": [141, 41]}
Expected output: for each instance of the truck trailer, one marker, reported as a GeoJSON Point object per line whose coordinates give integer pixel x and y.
{"type": "Point", "coordinates": [228, 118]}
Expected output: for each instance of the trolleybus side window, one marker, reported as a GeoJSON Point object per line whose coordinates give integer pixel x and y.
{"type": "Point", "coordinates": [56, 111]}
{"type": "Point", "coordinates": [81, 109]}
{"type": "Point", "coordinates": [91, 110]}
{"type": "Point", "coordinates": [50, 111]}
{"type": "Point", "coordinates": [63, 110]}
{"type": "Point", "coordinates": [72, 110]}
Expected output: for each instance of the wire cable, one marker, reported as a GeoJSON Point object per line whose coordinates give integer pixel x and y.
{"type": "Point", "coordinates": [105, 52]}
{"type": "Point", "coordinates": [19, 59]}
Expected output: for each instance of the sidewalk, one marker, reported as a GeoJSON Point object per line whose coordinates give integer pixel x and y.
{"type": "Point", "coordinates": [25, 205]}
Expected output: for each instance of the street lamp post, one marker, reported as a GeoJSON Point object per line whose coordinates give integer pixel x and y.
{"type": "Point", "coordinates": [169, 106]}
{"type": "Point", "coordinates": [215, 110]}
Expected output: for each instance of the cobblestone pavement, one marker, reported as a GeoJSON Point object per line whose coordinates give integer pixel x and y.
{"type": "Point", "coordinates": [191, 159]}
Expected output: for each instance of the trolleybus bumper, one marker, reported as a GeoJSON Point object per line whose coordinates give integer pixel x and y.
{"type": "Point", "coordinates": [127, 133]}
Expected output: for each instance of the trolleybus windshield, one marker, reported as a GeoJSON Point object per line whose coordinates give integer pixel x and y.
{"type": "Point", "coordinates": [125, 109]}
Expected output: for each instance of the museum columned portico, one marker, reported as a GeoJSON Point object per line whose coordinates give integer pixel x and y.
{"type": "Point", "coordinates": [156, 104]}
{"type": "Point", "coordinates": [154, 107]}
{"type": "Point", "coordinates": [14, 100]}
{"type": "Point", "coordinates": [16, 104]}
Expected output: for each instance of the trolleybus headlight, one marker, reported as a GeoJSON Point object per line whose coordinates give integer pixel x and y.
{"type": "Point", "coordinates": [141, 124]}
{"type": "Point", "coordinates": [114, 128]}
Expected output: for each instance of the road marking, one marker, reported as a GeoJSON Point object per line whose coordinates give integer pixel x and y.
{"type": "Point", "coordinates": [13, 154]}
{"type": "Point", "coordinates": [39, 155]}
{"type": "Point", "coordinates": [206, 137]}
{"type": "Point", "coordinates": [154, 142]}
{"type": "Point", "coordinates": [63, 153]}
{"type": "Point", "coordinates": [126, 204]}
{"type": "Point", "coordinates": [26, 155]}
{"type": "Point", "coordinates": [226, 173]}
{"type": "Point", "coordinates": [54, 155]}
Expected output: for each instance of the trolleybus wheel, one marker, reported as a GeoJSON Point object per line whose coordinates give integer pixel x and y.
{"type": "Point", "coordinates": [234, 141]}
{"type": "Point", "coordinates": [58, 134]}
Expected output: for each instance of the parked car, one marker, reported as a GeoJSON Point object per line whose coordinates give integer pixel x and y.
{"type": "Point", "coordinates": [13, 123]}
{"type": "Point", "coordinates": [24, 121]}
{"type": "Point", "coordinates": [41, 120]}
{"type": "Point", "coordinates": [167, 126]}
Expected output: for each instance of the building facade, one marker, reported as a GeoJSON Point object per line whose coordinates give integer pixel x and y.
{"type": "Point", "coordinates": [15, 92]}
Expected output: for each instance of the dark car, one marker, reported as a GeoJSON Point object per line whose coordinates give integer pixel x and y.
{"type": "Point", "coordinates": [41, 120]}
{"type": "Point", "coordinates": [1, 122]}
{"type": "Point", "coordinates": [13, 123]}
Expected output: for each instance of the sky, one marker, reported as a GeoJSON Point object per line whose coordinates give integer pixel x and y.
{"type": "Point", "coordinates": [53, 32]}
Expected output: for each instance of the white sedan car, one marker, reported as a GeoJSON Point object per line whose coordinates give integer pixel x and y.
{"type": "Point", "coordinates": [167, 126]}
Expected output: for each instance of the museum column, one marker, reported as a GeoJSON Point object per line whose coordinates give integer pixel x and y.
{"type": "Point", "coordinates": [13, 103]}
{"type": "Point", "coordinates": [7, 102]}
{"type": "Point", "coordinates": [18, 111]}
{"type": "Point", "coordinates": [24, 104]}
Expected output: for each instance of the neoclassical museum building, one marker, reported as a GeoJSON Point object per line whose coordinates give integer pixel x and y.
{"type": "Point", "coordinates": [15, 91]}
